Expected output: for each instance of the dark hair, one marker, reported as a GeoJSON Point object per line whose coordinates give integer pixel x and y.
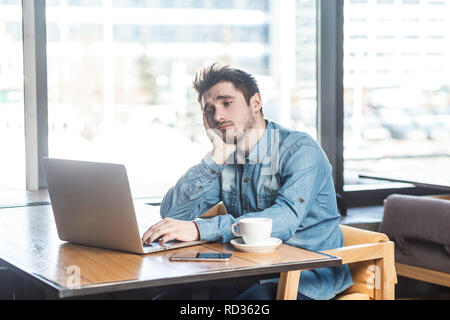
{"type": "Point", "coordinates": [208, 77]}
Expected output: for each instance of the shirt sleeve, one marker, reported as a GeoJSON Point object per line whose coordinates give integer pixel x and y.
{"type": "Point", "coordinates": [197, 191]}
{"type": "Point", "coordinates": [304, 171]}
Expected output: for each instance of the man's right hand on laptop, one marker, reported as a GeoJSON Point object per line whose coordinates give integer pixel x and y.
{"type": "Point", "coordinates": [171, 229]}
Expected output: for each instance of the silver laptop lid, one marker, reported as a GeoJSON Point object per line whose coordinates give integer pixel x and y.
{"type": "Point", "coordinates": [92, 204]}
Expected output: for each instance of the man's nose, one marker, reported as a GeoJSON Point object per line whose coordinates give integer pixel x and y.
{"type": "Point", "coordinates": [219, 115]}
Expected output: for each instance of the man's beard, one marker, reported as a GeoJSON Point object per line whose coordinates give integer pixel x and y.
{"type": "Point", "coordinates": [237, 134]}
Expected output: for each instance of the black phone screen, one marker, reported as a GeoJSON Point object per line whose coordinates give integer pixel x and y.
{"type": "Point", "coordinates": [204, 256]}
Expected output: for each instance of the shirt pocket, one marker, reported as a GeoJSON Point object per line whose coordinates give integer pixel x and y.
{"type": "Point", "coordinates": [265, 201]}
{"type": "Point", "coordinates": [229, 200]}
{"type": "Point", "coordinates": [268, 187]}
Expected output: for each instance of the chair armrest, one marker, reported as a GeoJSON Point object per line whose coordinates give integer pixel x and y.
{"type": "Point", "coordinates": [354, 236]}
{"type": "Point", "coordinates": [360, 252]}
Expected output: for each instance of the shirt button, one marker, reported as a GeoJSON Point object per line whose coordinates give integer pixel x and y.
{"type": "Point", "coordinates": [213, 172]}
{"type": "Point", "coordinates": [301, 200]}
{"type": "Point", "coordinates": [246, 180]}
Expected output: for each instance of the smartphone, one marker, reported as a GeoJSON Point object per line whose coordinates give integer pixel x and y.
{"type": "Point", "coordinates": [204, 256]}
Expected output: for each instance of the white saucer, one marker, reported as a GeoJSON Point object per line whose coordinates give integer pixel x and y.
{"type": "Point", "coordinates": [268, 246]}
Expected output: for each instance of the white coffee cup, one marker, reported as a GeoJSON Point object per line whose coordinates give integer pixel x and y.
{"type": "Point", "coordinates": [253, 230]}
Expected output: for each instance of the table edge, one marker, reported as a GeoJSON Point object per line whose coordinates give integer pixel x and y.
{"type": "Point", "coordinates": [89, 289]}
{"type": "Point", "coordinates": [331, 261]}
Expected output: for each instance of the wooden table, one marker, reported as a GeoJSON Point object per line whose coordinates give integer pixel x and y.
{"type": "Point", "coordinates": [22, 198]}
{"type": "Point", "coordinates": [31, 249]}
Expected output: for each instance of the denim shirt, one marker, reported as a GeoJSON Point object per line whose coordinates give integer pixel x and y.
{"type": "Point", "coordinates": [286, 177]}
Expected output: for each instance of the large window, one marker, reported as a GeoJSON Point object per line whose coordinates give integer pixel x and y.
{"type": "Point", "coordinates": [12, 141]}
{"type": "Point", "coordinates": [120, 83]}
{"type": "Point", "coordinates": [120, 76]}
{"type": "Point", "coordinates": [396, 90]}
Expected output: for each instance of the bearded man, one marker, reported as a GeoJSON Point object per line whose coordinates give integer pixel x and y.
{"type": "Point", "coordinates": [257, 168]}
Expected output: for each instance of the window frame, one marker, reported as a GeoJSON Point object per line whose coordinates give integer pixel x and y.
{"type": "Point", "coordinates": [35, 91]}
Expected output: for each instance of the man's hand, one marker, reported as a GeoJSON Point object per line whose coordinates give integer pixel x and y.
{"type": "Point", "coordinates": [171, 229]}
{"type": "Point", "coordinates": [221, 150]}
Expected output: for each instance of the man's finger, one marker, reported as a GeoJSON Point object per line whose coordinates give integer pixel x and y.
{"type": "Point", "coordinates": [167, 237]}
{"type": "Point", "coordinates": [154, 227]}
{"type": "Point", "coordinates": [205, 122]}
{"type": "Point", "coordinates": [161, 232]}
{"type": "Point", "coordinates": [158, 225]}
{"type": "Point", "coordinates": [145, 236]}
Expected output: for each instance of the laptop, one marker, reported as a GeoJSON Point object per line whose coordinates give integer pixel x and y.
{"type": "Point", "coordinates": [92, 206]}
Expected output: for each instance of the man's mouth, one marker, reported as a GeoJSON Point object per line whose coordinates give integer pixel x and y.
{"type": "Point", "coordinates": [224, 126]}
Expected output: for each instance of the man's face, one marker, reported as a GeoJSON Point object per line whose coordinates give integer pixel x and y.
{"type": "Point", "coordinates": [226, 110]}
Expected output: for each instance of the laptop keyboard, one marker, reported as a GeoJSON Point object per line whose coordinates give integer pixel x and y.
{"type": "Point", "coordinates": [154, 245]}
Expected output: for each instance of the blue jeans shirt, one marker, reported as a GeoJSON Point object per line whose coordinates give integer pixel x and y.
{"type": "Point", "coordinates": [286, 177]}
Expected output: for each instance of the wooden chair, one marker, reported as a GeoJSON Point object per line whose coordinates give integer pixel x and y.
{"type": "Point", "coordinates": [370, 256]}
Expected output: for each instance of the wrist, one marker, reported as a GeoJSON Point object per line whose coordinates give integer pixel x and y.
{"type": "Point", "coordinates": [197, 237]}
{"type": "Point", "coordinates": [218, 157]}
{"type": "Point", "coordinates": [222, 154]}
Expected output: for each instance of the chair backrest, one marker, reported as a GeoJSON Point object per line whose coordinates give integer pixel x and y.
{"type": "Point", "coordinates": [363, 272]}
{"type": "Point", "coordinates": [354, 236]}
{"type": "Point", "coordinates": [218, 209]}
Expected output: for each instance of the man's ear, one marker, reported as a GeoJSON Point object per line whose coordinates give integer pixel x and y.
{"type": "Point", "coordinates": [256, 102]}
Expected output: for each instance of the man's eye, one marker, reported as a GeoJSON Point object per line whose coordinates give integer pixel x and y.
{"type": "Point", "coordinates": [227, 103]}
{"type": "Point", "coordinates": [209, 111]}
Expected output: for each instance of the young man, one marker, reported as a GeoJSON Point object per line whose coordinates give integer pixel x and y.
{"type": "Point", "coordinates": [258, 169]}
